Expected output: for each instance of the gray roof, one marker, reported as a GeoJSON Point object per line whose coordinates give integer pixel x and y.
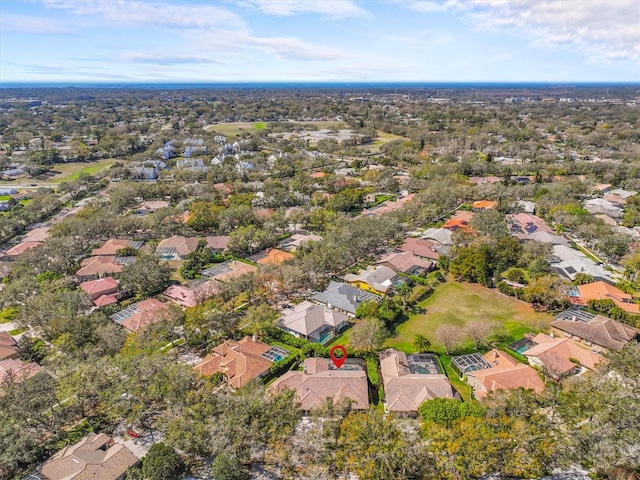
{"type": "Point", "coordinates": [344, 297]}
{"type": "Point", "coordinates": [600, 330]}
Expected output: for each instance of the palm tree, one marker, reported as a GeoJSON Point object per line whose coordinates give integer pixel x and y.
{"type": "Point", "coordinates": [421, 343]}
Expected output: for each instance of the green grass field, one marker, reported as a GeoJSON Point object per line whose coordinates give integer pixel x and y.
{"type": "Point", "coordinates": [231, 129]}
{"type": "Point", "coordinates": [457, 303]}
{"type": "Point", "coordinates": [71, 171]}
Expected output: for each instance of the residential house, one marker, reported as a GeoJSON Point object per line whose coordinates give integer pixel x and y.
{"type": "Point", "coordinates": [273, 256]}
{"type": "Point", "coordinates": [344, 297]}
{"type": "Point", "coordinates": [312, 322]}
{"type": "Point", "coordinates": [460, 220]}
{"type": "Point", "coordinates": [545, 237]}
{"type": "Point", "coordinates": [602, 188]}
{"type": "Point", "coordinates": [225, 271]}
{"type": "Point", "coordinates": [405, 262]}
{"type": "Point", "coordinates": [410, 380]}
{"type": "Point", "coordinates": [218, 243]}
{"type": "Point", "coordinates": [95, 456]}
{"type": "Point", "coordinates": [103, 291]}
{"type": "Point", "coordinates": [581, 295]}
{"type": "Point", "coordinates": [621, 193]}
{"type": "Point", "coordinates": [561, 357]}
{"type": "Point", "coordinates": [17, 370]}
{"type": "Point", "coordinates": [482, 205]}
{"type": "Point", "coordinates": [112, 246]}
{"type": "Point", "coordinates": [145, 208]}
{"type": "Point", "coordinates": [601, 206]}
{"type": "Point", "coordinates": [528, 207]}
{"type": "Point", "coordinates": [321, 381]}
{"type": "Point", "coordinates": [168, 151]}
{"type": "Point", "coordinates": [421, 247]}
{"type": "Point", "coordinates": [485, 180]}
{"type": "Point", "coordinates": [388, 207]}
{"type": "Point", "coordinates": [17, 250]}
{"type": "Point", "coordinates": [376, 279]}
{"type": "Point", "coordinates": [296, 240]}
{"type": "Point", "coordinates": [442, 236]}
{"type": "Point", "coordinates": [192, 293]}
{"type": "Point", "coordinates": [8, 347]}
{"type": "Point", "coordinates": [569, 262]}
{"type": "Point", "coordinates": [596, 331]}
{"type": "Point", "coordinates": [524, 224]}
{"type": "Point", "coordinates": [39, 234]}
{"type": "Point", "coordinates": [139, 315]}
{"type": "Point", "coordinates": [176, 247]}
{"type": "Point", "coordinates": [503, 373]}
{"type": "Point", "coordinates": [240, 361]}
{"type": "Point", "coordinates": [93, 268]}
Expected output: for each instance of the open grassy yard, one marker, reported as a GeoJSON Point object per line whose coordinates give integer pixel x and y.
{"type": "Point", "coordinates": [231, 129]}
{"type": "Point", "coordinates": [67, 172]}
{"type": "Point", "coordinates": [383, 138]}
{"type": "Point", "coordinates": [458, 303]}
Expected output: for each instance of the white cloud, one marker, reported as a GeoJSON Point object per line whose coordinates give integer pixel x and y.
{"type": "Point", "coordinates": [608, 29]}
{"type": "Point", "coordinates": [330, 8]}
{"type": "Point", "coordinates": [161, 14]}
{"type": "Point", "coordinates": [27, 24]}
{"type": "Point", "coordinates": [165, 58]}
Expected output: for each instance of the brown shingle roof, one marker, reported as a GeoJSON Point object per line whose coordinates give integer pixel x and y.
{"type": "Point", "coordinates": [94, 457]}
{"type": "Point", "coordinates": [183, 245]}
{"type": "Point", "coordinates": [600, 330]}
{"type": "Point", "coordinates": [317, 383]}
{"type": "Point", "coordinates": [403, 261]}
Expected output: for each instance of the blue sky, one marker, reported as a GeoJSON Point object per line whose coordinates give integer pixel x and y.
{"type": "Point", "coordinates": [325, 40]}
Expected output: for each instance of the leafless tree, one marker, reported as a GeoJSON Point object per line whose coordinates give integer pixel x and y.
{"type": "Point", "coordinates": [449, 336]}
{"type": "Point", "coordinates": [479, 332]}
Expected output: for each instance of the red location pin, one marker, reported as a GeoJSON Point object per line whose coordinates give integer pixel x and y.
{"type": "Point", "coordinates": [338, 361]}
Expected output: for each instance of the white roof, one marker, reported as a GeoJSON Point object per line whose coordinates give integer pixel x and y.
{"type": "Point", "coordinates": [440, 235]}
{"type": "Point", "coordinates": [306, 317]}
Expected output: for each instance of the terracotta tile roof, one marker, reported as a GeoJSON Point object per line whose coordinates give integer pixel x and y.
{"type": "Point", "coordinates": [527, 224]}
{"type": "Point", "coordinates": [460, 219]}
{"type": "Point", "coordinates": [275, 257]}
{"type": "Point", "coordinates": [111, 247]}
{"type": "Point", "coordinates": [406, 391]}
{"type": "Point", "coordinates": [318, 382]}
{"type": "Point", "coordinates": [296, 240]}
{"type": "Point", "coordinates": [104, 300]}
{"type": "Point", "coordinates": [388, 207]}
{"type": "Point", "coordinates": [600, 330]}
{"type": "Point", "coordinates": [21, 248]}
{"type": "Point", "coordinates": [192, 293]}
{"type": "Point", "coordinates": [404, 261]}
{"type": "Point", "coordinates": [94, 457]}
{"type": "Point", "coordinates": [100, 287]}
{"type": "Point", "coordinates": [505, 373]}
{"type": "Point", "coordinates": [95, 266]}
{"type": "Point", "coordinates": [555, 353]}
{"type": "Point", "coordinates": [602, 290]}
{"type": "Point", "coordinates": [240, 361]}
{"type": "Point", "coordinates": [21, 369]}
{"type": "Point", "coordinates": [421, 248]}
{"type": "Point", "coordinates": [8, 346]}
{"type": "Point", "coordinates": [484, 204]}
{"type": "Point", "coordinates": [149, 311]}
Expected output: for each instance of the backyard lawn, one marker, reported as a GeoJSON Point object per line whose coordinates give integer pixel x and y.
{"type": "Point", "coordinates": [458, 303]}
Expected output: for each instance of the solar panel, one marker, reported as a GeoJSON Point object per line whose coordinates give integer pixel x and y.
{"type": "Point", "coordinates": [137, 244]}
{"type": "Point", "coordinates": [217, 270]}
{"type": "Point", "coordinates": [581, 315]}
